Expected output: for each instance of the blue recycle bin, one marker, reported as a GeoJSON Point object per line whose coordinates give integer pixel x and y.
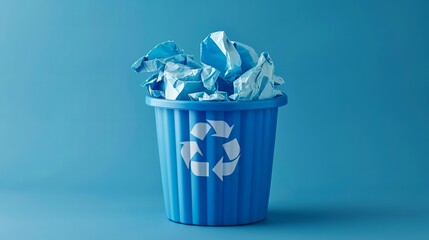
{"type": "Point", "coordinates": [216, 159]}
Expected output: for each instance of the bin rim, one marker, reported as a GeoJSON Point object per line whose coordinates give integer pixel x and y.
{"type": "Point", "coordinates": [217, 105]}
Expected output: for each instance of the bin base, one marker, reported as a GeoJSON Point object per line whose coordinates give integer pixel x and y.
{"type": "Point", "coordinates": [220, 225]}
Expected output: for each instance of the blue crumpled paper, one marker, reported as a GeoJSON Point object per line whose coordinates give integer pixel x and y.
{"type": "Point", "coordinates": [229, 71]}
{"type": "Point", "coordinates": [203, 96]}
{"type": "Point", "coordinates": [181, 80]}
{"type": "Point", "coordinates": [160, 55]}
{"type": "Point", "coordinates": [258, 82]}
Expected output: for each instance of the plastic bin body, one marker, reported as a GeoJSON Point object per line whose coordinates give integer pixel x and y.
{"type": "Point", "coordinates": [216, 159]}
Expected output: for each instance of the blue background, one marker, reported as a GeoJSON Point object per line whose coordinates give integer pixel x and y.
{"type": "Point", "coordinates": [78, 154]}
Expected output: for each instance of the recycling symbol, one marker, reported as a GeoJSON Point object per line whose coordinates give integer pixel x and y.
{"type": "Point", "coordinates": [231, 148]}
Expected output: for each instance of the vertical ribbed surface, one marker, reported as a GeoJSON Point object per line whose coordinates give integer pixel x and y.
{"type": "Point", "coordinates": [239, 198]}
{"type": "Point", "coordinates": [181, 124]}
{"type": "Point", "coordinates": [230, 183]}
{"type": "Point", "coordinates": [245, 180]}
{"type": "Point", "coordinates": [214, 185]}
{"type": "Point", "coordinates": [160, 123]}
{"type": "Point", "coordinates": [198, 184]}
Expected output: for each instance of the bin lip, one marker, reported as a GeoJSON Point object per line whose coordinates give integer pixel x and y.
{"type": "Point", "coordinates": [217, 105]}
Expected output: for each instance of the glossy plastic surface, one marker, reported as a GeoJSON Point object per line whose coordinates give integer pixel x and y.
{"type": "Point", "coordinates": [220, 192]}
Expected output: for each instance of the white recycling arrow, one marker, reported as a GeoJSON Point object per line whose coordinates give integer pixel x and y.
{"type": "Point", "coordinates": [189, 150]}
{"type": "Point", "coordinates": [200, 130]}
{"type": "Point", "coordinates": [222, 129]}
{"type": "Point", "coordinates": [225, 168]}
{"type": "Point", "coordinates": [200, 169]}
{"type": "Point", "coordinates": [232, 148]}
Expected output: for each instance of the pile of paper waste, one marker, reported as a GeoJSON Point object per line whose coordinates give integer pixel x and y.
{"type": "Point", "coordinates": [229, 71]}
